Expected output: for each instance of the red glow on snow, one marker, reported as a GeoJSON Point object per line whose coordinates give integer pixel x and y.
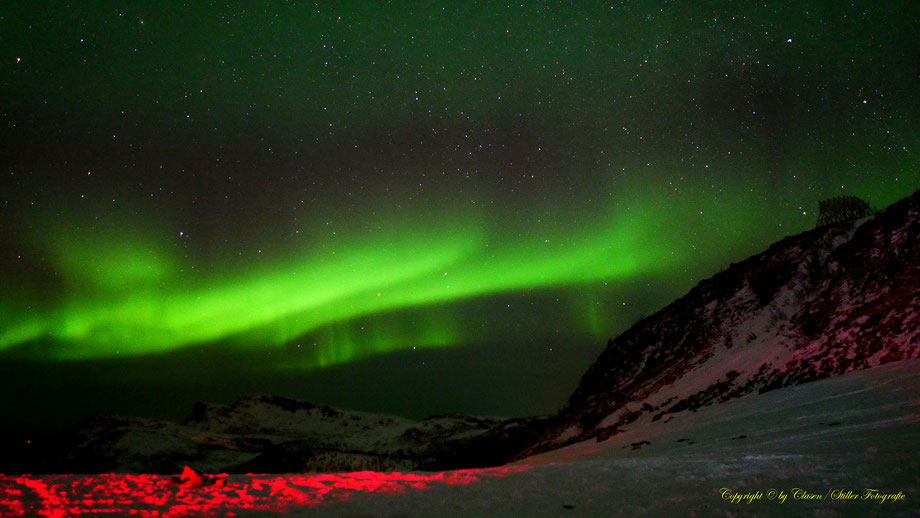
{"type": "Point", "coordinates": [191, 494]}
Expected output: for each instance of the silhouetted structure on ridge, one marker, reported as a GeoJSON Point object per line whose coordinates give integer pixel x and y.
{"type": "Point", "coordinates": [842, 208]}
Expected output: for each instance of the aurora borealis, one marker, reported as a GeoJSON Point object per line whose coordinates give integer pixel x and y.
{"type": "Point", "coordinates": [295, 187]}
{"type": "Point", "coordinates": [132, 298]}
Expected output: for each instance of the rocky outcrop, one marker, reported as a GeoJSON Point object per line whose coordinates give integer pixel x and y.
{"type": "Point", "coordinates": [828, 301]}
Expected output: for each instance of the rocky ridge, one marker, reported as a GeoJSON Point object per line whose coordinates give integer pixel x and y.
{"type": "Point", "coordinates": [832, 300]}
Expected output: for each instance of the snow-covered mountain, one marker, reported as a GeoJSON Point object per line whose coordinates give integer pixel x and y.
{"type": "Point", "coordinates": [260, 434]}
{"type": "Point", "coordinates": [825, 302]}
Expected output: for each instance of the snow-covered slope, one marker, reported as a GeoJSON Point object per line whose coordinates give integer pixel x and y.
{"type": "Point", "coordinates": [832, 300]}
{"type": "Point", "coordinates": [847, 441]}
{"type": "Point", "coordinates": [848, 433]}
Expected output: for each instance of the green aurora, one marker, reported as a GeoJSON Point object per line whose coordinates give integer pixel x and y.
{"type": "Point", "coordinates": [132, 296]}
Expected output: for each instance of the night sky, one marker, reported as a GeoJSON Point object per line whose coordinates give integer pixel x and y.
{"type": "Point", "coordinates": [408, 207]}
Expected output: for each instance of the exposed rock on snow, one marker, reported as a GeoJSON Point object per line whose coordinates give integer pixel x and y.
{"type": "Point", "coordinates": [828, 301]}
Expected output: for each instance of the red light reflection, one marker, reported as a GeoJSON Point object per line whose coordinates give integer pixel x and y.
{"type": "Point", "coordinates": [164, 496]}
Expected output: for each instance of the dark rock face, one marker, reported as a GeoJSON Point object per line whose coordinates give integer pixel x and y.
{"type": "Point", "coordinates": [828, 301]}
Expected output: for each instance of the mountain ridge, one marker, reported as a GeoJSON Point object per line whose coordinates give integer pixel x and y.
{"type": "Point", "coordinates": [827, 301]}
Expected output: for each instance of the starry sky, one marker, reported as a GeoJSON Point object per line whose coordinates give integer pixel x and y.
{"type": "Point", "coordinates": [413, 207]}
